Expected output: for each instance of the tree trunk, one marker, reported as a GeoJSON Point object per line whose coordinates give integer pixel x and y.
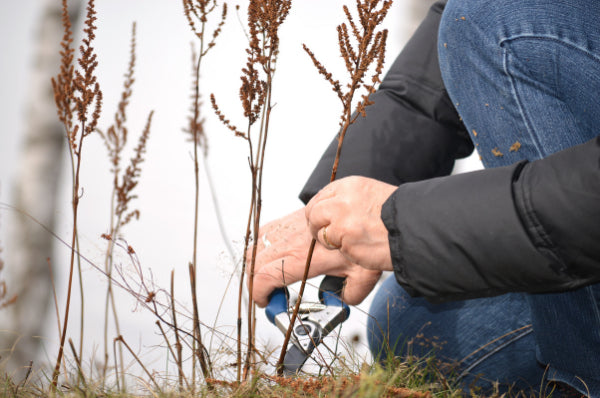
{"type": "Point", "coordinates": [35, 194]}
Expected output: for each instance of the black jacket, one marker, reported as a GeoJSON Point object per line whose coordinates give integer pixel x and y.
{"type": "Point", "coordinates": [531, 227]}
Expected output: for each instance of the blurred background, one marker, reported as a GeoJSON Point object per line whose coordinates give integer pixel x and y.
{"type": "Point", "coordinates": [35, 174]}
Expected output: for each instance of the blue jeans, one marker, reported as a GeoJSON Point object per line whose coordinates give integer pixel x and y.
{"type": "Point", "coordinates": [524, 76]}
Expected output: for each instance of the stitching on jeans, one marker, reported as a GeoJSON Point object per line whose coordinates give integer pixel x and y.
{"type": "Point", "coordinates": [527, 330]}
{"type": "Point", "coordinates": [526, 121]}
{"type": "Point", "coordinates": [551, 38]}
{"type": "Point", "coordinates": [541, 239]}
{"type": "Point", "coordinates": [503, 43]}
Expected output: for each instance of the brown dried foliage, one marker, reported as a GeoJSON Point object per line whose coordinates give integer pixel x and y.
{"type": "Point", "coordinates": [264, 19]}
{"type": "Point", "coordinates": [369, 50]}
{"type": "Point", "coordinates": [78, 101]}
{"type": "Point", "coordinates": [115, 137]}
{"type": "Point", "coordinates": [77, 90]}
{"type": "Point", "coordinates": [115, 140]}
{"type": "Point", "coordinates": [195, 128]}
{"type": "Point", "coordinates": [197, 13]}
{"type": "Point", "coordinates": [130, 178]}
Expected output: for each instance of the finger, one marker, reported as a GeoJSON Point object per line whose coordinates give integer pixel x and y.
{"type": "Point", "coordinates": [358, 285]}
{"type": "Point", "coordinates": [320, 214]}
{"type": "Point", "coordinates": [329, 239]}
{"type": "Point", "coordinates": [273, 275]}
{"type": "Point", "coordinates": [326, 192]}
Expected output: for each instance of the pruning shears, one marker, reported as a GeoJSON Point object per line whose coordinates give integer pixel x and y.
{"type": "Point", "coordinates": [313, 323]}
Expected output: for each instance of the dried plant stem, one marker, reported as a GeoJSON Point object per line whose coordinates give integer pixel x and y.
{"type": "Point", "coordinates": [78, 363]}
{"type": "Point", "coordinates": [178, 346]}
{"type": "Point", "coordinates": [200, 351]}
{"type": "Point", "coordinates": [197, 11]}
{"type": "Point", "coordinates": [75, 205]}
{"type": "Point", "coordinates": [257, 183]}
{"type": "Point", "coordinates": [116, 366]}
{"type": "Point", "coordinates": [241, 288]}
{"type": "Point", "coordinates": [288, 334]}
{"type": "Point", "coordinates": [371, 48]}
{"type": "Point", "coordinates": [177, 355]}
{"type": "Point", "coordinates": [195, 133]}
{"type": "Point", "coordinates": [110, 298]}
{"type": "Point", "coordinates": [137, 359]}
{"type": "Point", "coordinates": [76, 92]}
{"type": "Point", "coordinates": [79, 274]}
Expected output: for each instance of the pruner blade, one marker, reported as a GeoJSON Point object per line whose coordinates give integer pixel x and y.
{"type": "Point", "coordinates": [314, 321]}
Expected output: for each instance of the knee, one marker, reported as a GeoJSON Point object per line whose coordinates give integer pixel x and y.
{"type": "Point", "coordinates": [467, 34]}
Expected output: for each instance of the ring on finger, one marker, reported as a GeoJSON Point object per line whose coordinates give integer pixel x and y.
{"type": "Point", "coordinates": [327, 242]}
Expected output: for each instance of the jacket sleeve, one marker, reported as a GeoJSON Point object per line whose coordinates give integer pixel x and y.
{"type": "Point", "coordinates": [412, 131]}
{"type": "Point", "coordinates": [530, 227]}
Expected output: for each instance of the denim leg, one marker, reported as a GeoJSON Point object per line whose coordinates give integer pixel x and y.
{"type": "Point", "coordinates": [525, 77]}
{"type": "Point", "coordinates": [481, 341]}
{"type": "Point", "coordinates": [523, 74]}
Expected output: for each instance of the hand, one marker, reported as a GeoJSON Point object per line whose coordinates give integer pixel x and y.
{"type": "Point", "coordinates": [346, 216]}
{"type": "Point", "coordinates": [281, 257]}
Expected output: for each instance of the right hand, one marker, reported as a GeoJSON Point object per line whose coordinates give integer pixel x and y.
{"type": "Point", "coordinates": [282, 260]}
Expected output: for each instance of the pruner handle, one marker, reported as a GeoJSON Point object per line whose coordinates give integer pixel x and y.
{"type": "Point", "coordinates": [278, 303]}
{"type": "Point", "coordinates": [330, 293]}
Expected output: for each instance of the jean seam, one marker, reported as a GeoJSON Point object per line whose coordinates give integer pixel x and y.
{"type": "Point", "coordinates": [565, 42]}
{"type": "Point", "coordinates": [503, 43]}
{"type": "Point", "coordinates": [528, 330]}
{"type": "Point", "coordinates": [519, 102]}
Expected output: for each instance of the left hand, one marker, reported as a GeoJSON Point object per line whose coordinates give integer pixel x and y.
{"type": "Point", "coordinates": [346, 215]}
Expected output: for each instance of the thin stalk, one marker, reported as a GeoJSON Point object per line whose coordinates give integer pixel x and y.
{"type": "Point", "coordinates": [78, 363]}
{"type": "Point", "coordinates": [196, 212]}
{"type": "Point", "coordinates": [178, 357]}
{"type": "Point", "coordinates": [75, 204]}
{"type": "Point", "coordinates": [116, 365]}
{"type": "Point", "coordinates": [110, 299]}
{"type": "Point", "coordinates": [258, 207]}
{"type": "Point", "coordinates": [170, 348]}
{"type": "Point", "coordinates": [246, 244]}
{"type": "Point", "coordinates": [361, 62]}
{"type": "Point", "coordinates": [81, 296]}
{"type": "Point", "coordinates": [120, 339]}
{"type": "Point", "coordinates": [200, 350]}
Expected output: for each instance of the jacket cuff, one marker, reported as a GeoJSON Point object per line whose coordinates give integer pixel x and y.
{"type": "Point", "coordinates": [461, 237]}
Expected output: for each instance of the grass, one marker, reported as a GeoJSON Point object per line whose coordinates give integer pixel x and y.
{"type": "Point", "coordinates": [397, 379]}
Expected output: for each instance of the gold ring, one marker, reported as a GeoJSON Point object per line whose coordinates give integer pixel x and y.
{"type": "Point", "coordinates": [327, 241]}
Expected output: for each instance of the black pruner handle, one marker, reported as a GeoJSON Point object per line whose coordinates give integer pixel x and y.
{"type": "Point", "coordinates": [333, 284]}
{"type": "Point", "coordinates": [330, 293]}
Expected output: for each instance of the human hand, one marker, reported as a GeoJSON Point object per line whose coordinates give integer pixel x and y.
{"type": "Point", "coordinates": [345, 216]}
{"type": "Point", "coordinates": [282, 248]}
